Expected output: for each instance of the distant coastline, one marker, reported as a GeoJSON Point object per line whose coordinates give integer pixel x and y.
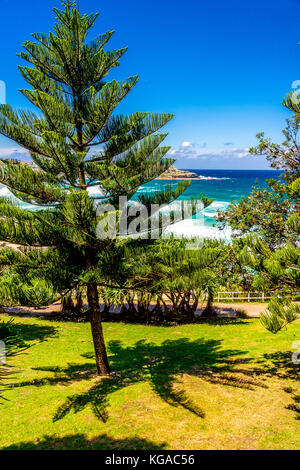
{"type": "Point", "coordinates": [174, 173]}
{"type": "Point", "coordinates": [171, 173]}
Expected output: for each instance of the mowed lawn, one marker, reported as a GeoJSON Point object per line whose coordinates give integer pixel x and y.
{"type": "Point", "coordinates": [204, 386]}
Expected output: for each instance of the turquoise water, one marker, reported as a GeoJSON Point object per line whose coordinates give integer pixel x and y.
{"type": "Point", "coordinates": [224, 186]}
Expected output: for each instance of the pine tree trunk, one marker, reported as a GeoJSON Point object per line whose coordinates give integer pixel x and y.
{"type": "Point", "coordinates": [97, 331]}
{"type": "Point", "coordinates": [209, 311]}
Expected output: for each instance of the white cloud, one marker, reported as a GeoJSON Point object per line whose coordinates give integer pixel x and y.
{"type": "Point", "coordinates": [14, 152]}
{"type": "Point", "coordinates": [191, 152]}
{"type": "Point", "coordinates": [186, 144]}
{"type": "Point", "coordinates": [186, 151]}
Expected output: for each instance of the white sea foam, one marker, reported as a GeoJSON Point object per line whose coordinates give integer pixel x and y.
{"type": "Point", "coordinates": [211, 215]}
{"type": "Point", "coordinates": [95, 191]}
{"type": "Point", "coordinates": [201, 177]}
{"type": "Point", "coordinates": [219, 204]}
{"type": "Point", "coordinates": [5, 192]}
{"type": "Point", "coordinates": [212, 210]}
{"type": "Point", "coordinates": [194, 228]}
{"type": "Point", "coordinates": [148, 190]}
{"type": "Point", "coordinates": [178, 204]}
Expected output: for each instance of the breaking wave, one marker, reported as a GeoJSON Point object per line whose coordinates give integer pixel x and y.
{"type": "Point", "coordinates": [5, 192]}
{"type": "Point", "coordinates": [213, 178]}
{"type": "Point", "coordinates": [212, 210]}
{"type": "Point", "coordinates": [191, 228]}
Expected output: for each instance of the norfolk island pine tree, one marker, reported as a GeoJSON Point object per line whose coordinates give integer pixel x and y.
{"type": "Point", "coordinates": [77, 142]}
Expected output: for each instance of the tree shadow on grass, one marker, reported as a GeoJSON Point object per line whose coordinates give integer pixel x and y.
{"type": "Point", "coordinates": [162, 366]}
{"type": "Point", "coordinates": [25, 332]}
{"type": "Point", "coordinates": [81, 442]}
{"type": "Point", "coordinates": [34, 332]}
{"type": "Point", "coordinates": [295, 404]}
{"type": "Point", "coordinates": [279, 364]}
{"type": "Point", "coordinates": [18, 341]}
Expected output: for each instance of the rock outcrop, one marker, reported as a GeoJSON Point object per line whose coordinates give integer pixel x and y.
{"type": "Point", "coordinates": [174, 173]}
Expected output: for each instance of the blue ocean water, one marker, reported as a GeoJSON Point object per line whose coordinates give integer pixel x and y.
{"type": "Point", "coordinates": [224, 186]}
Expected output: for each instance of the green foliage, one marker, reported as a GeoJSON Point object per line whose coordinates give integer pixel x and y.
{"type": "Point", "coordinates": [295, 187]}
{"type": "Point", "coordinates": [76, 141]}
{"type": "Point", "coordinates": [37, 294]}
{"type": "Point", "coordinates": [270, 248]}
{"type": "Point", "coordinates": [279, 313]}
{"type": "Point", "coordinates": [6, 329]}
{"type": "Point", "coordinates": [274, 270]}
{"type": "Point", "coordinates": [272, 212]}
{"type": "Point", "coordinates": [267, 226]}
{"type": "Point", "coordinates": [283, 156]}
{"type": "Point", "coordinates": [168, 274]}
{"type": "Point", "coordinates": [31, 290]}
{"type": "Point", "coordinates": [268, 212]}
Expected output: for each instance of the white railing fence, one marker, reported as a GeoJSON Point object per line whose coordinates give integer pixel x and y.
{"type": "Point", "coordinates": [248, 296]}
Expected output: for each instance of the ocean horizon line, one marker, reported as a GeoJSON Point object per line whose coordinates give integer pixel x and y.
{"type": "Point", "coordinates": [230, 169]}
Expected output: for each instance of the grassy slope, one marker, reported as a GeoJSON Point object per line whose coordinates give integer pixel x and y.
{"type": "Point", "coordinates": [229, 386]}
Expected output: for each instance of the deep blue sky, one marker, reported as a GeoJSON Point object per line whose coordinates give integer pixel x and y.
{"type": "Point", "coordinates": [222, 67]}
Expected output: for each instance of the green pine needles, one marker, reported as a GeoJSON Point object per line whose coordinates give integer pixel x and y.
{"type": "Point", "coordinates": [76, 141]}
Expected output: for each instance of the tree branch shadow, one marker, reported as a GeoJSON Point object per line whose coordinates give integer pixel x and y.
{"type": "Point", "coordinates": [279, 364]}
{"type": "Point", "coordinates": [33, 332]}
{"type": "Point", "coordinates": [161, 366]}
{"type": "Point", "coordinates": [18, 338]}
{"type": "Point", "coordinates": [80, 442]}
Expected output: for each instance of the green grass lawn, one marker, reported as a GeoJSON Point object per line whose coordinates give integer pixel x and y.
{"type": "Point", "coordinates": [202, 386]}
